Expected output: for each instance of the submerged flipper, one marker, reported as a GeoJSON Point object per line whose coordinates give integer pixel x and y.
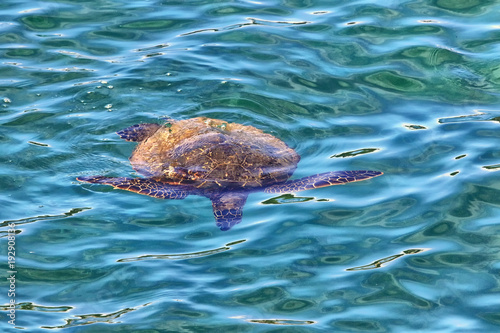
{"type": "Point", "coordinates": [228, 209]}
{"type": "Point", "coordinates": [322, 180]}
{"type": "Point", "coordinates": [139, 132]}
{"type": "Point", "coordinates": [140, 185]}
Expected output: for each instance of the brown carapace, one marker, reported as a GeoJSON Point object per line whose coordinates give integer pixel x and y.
{"type": "Point", "coordinates": [216, 159]}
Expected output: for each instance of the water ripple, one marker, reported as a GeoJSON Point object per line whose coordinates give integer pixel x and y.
{"type": "Point", "coordinates": [29, 306]}
{"type": "Point", "coordinates": [480, 115]}
{"type": "Point", "coordinates": [95, 318]}
{"type": "Point", "coordinates": [356, 152]}
{"type": "Point", "coordinates": [182, 256]}
{"type": "Point", "coordinates": [384, 261]}
{"type": "Point", "coordinates": [43, 217]}
{"type": "Point", "coordinates": [284, 322]}
{"type": "Point", "coordinates": [252, 22]}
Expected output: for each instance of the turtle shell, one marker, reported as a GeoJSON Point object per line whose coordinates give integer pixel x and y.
{"type": "Point", "coordinates": [210, 153]}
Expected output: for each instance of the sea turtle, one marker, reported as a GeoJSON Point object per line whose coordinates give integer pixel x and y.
{"type": "Point", "coordinates": [218, 160]}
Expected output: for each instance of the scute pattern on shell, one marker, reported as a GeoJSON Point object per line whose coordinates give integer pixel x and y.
{"type": "Point", "coordinates": [208, 153]}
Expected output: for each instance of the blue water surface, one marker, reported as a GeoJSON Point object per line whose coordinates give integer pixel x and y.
{"type": "Point", "coordinates": [409, 88]}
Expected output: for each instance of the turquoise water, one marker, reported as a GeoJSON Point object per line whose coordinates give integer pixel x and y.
{"type": "Point", "coordinates": [410, 88]}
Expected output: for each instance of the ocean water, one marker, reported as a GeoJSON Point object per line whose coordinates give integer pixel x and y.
{"type": "Point", "coordinates": [410, 88]}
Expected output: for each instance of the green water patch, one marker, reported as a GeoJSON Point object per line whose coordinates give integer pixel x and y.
{"type": "Point", "coordinates": [390, 288]}
{"type": "Point", "coordinates": [151, 24]}
{"type": "Point", "coordinates": [358, 325]}
{"type": "Point", "coordinates": [117, 33]}
{"type": "Point", "coordinates": [292, 305]}
{"type": "Point", "coordinates": [378, 32]}
{"type": "Point", "coordinates": [16, 53]}
{"type": "Point", "coordinates": [464, 7]}
{"type": "Point", "coordinates": [430, 56]}
{"type": "Point", "coordinates": [260, 296]}
{"type": "Point", "coordinates": [395, 81]}
{"type": "Point", "coordinates": [41, 22]}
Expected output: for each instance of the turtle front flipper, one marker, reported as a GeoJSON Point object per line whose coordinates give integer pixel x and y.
{"type": "Point", "coordinates": [139, 132]}
{"type": "Point", "coordinates": [139, 185]}
{"type": "Point", "coordinates": [322, 180]}
{"type": "Point", "coordinates": [228, 208]}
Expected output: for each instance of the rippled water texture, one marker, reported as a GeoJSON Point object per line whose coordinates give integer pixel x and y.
{"type": "Point", "coordinates": [410, 88]}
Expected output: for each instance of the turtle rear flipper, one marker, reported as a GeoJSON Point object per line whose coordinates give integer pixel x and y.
{"type": "Point", "coordinates": [228, 209]}
{"type": "Point", "coordinates": [139, 132]}
{"type": "Point", "coordinates": [139, 185]}
{"type": "Point", "coordinates": [322, 180]}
